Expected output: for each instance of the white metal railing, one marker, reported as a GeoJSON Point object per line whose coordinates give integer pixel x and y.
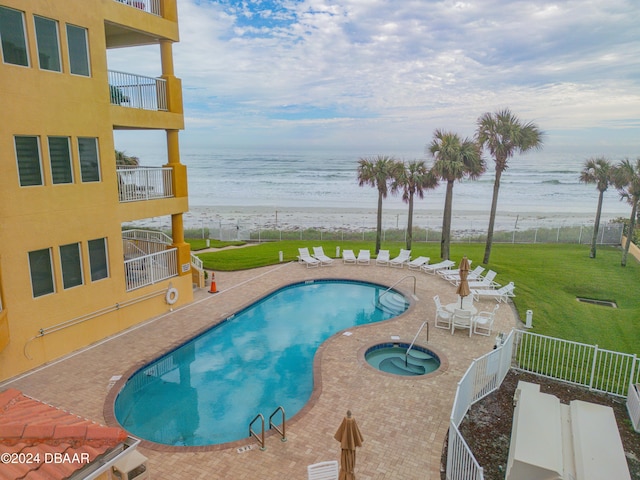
{"type": "Point", "coordinates": [151, 236]}
{"type": "Point", "coordinates": [196, 262]}
{"type": "Point", "coordinates": [151, 268]}
{"type": "Point", "coordinates": [578, 363]}
{"type": "Point", "coordinates": [144, 183]}
{"type": "Point", "coordinates": [137, 91]}
{"type": "Point", "coordinates": [461, 464]}
{"type": "Point", "coordinates": [149, 6]}
{"type": "Point", "coordinates": [633, 405]}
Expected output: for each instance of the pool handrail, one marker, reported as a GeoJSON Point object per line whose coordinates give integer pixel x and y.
{"type": "Point", "coordinates": [406, 276]}
{"type": "Point", "coordinates": [253, 434]}
{"type": "Point", "coordinates": [284, 423]}
{"type": "Point", "coordinates": [406, 355]}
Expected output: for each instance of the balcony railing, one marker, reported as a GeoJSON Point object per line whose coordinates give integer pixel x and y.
{"type": "Point", "coordinates": [150, 6]}
{"type": "Point", "coordinates": [152, 268]}
{"type": "Point", "coordinates": [144, 183]}
{"type": "Point", "coordinates": [137, 91]}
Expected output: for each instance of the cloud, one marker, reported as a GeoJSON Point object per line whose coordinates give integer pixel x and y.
{"type": "Point", "coordinates": [385, 71]}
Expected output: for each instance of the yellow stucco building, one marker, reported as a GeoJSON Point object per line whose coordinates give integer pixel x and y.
{"type": "Point", "coordinates": [70, 274]}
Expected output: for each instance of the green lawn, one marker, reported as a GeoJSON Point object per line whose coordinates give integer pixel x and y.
{"type": "Point", "coordinates": [548, 277]}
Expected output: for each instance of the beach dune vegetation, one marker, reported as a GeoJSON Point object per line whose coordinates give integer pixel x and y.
{"type": "Point", "coordinates": [455, 159]}
{"type": "Point", "coordinates": [626, 178]}
{"type": "Point", "coordinates": [503, 134]}
{"type": "Point", "coordinates": [412, 179]}
{"type": "Point", "coordinates": [378, 172]}
{"type": "Point", "coordinates": [599, 171]}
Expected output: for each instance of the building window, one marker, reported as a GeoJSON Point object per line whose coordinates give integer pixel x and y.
{"type": "Point", "coordinates": [71, 265]}
{"type": "Point", "coordinates": [60, 160]}
{"type": "Point", "coordinates": [89, 163]}
{"type": "Point", "coordinates": [98, 259]}
{"type": "Point", "coordinates": [48, 46]}
{"type": "Point", "coordinates": [41, 272]}
{"type": "Point", "coordinates": [78, 50]}
{"type": "Point", "coordinates": [12, 37]}
{"type": "Point", "coordinates": [29, 164]}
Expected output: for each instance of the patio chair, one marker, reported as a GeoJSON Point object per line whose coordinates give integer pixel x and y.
{"type": "Point", "coordinates": [446, 272]}
{"type": "Point", "coordinates": [364, 257]}
{"type": "Point", "coordinates": [483, 322]}
{"type": "Point", "coordinates": [323, 471]}
{"type": "Point", "coordinates": [401, 259]}
{"type": "Point", "coordinates": [318, 254]}
{"type": "Point", "coordinates": [443, 318]}
{"type": "Point", "coordinates": [348, 257]}
{"type": "Point", "coordinates": [382, 258]}
{"type": "Point", "coordinates": [501, 295]}
{"type": "Point", "coordinates": [453, 276]}
{"type": "Point", "coordinates": [461, 319]}
{"type": "Point", "coordinates": [432, 269]}
{"type": "Point", "coordinates": [416, 263]}
{"type": "Point", "coordinates": [486, 282]}
{"type": "Point", "coordinates": [306, 258]}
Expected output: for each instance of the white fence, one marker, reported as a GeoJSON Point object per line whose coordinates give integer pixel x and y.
{"type": "Point", "coordinates": [586, 365]}
{"type": "Point", "coordinates": [149, 6]}
{"type": "Point", "coordinates": [137, 91]}
{"type": "Point", "coordinates": [144, 183]}
{"type": "Point", "coordinates": [150, 269]}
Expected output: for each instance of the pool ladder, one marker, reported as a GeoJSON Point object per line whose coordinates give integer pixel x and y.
{"type": "Point", "coordinates": [260, 438]}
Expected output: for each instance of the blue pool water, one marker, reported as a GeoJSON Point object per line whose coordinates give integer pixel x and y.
{"type": "Point", "coordinates": [209, 389]}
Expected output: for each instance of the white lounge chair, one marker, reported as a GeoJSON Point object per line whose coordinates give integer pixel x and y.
{"type": "Point", "coordinates": [318, 254]}
{"type": "Point", "coordinates": [382, 258]}
{"type": "Point", "coordinates": [348, 257]}
{"type": "Point", "coordinates": [483, 322]}
{"type": "Point", "coordinates": [445, 272]}
{"type": "Point", "coordinates": [306, 258]}
{"type": "Point", "coordinates": [323, 471]}
{"type": "Point", "coordinates": [364, 257]}
{"type": "Point", "coordinates": [501, 295]}
{"type": "Point", "coordinates": [443, 318]}
{"type": "Point", "coordinates": [486, 282]}
{"type": "Point", "coordinates": [401, 259]}
{"type": "Point", "coordinates": [432, 269]}
{"type": "Point", "coordinates": [461, 319]}
{"type": "Point", "coordinates": [453, 276]}
{"type": "Point", "coordinates": [416, 263]}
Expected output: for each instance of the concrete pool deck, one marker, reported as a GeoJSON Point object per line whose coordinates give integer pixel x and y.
{"type": "Point", "coordinates": [404, 421]}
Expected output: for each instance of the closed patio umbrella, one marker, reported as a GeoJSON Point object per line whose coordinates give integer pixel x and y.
{"type": "Point", "coordinates": [463, 286]}
{"type": "Point", "coordinates": [349, 436]}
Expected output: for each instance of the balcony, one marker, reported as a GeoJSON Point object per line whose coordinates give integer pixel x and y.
{"type": "Point", "coordinates": [137, 91]}
{"type": "Point", "coordinates": [144, 183]}
{"type": "Point", "coordinates": [148, 258]}
{"type": "Point", "coordinates": [150, 6]}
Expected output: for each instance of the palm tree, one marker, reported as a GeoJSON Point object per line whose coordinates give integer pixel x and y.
{"type": "Point", "coordinates": [455, 159]}
{"type": "Point", "coordinates": [124, 160]}
{"type": "Point", "coordinates": [599, 171]}
{"type": "Point", "coordinates": [413, 178]}
{"type": "Point", "coordinates": [503, 134]}
{"type": "Point", "coordinates": [377, 172]}
{"type": "Point", "coordinates": [626, 178]}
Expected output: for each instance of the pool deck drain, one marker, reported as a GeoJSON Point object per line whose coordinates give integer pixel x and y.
{"type": "Point", "coordinates": [595, 301]}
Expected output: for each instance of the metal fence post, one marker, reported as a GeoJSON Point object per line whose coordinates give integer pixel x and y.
{"type": "Point", "coordinates": [593, 366]}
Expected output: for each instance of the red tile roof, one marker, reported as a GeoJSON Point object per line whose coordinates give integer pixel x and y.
{"type": "Point", "coordinates": [39, 441]}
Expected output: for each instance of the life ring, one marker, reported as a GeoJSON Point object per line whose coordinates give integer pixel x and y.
{"type": "Point", "coordinates": [172, 296]}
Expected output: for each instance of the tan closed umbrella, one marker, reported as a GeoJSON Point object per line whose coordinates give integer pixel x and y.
{"type": "Point", "coordinates": [349, 436]}
{"type": "Point", "coordinates": [463, 286]}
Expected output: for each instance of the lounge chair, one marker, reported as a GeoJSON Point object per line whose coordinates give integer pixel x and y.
{"type": "Point", "coordinates": [501, 295]}
{"type": "Point", "coordinates": [348, 257]}
{"type": "Point", "coordinates": [306, 258]}
{"type": "Point", "coordinates": [364, 257]}
{"type": "Point", "coordinates": [318, 254]}
{"type": "Point", "coordinates": [443, 318]}
{"type": "Point", "coordinates": [486, 282]}
{"type": "Point", "coordinates": [382, 258]}
{"type": "Point", "coordinates": [432, 269]}
{"type": "Point", "coordinates": [416, 263]}
{"type": "Point", "coordinates": [323, 471]}
{"type": "Point", "coordinates": [445, 272]}
{"type": "Point", "coordinates": [453, 276]}
{"type": "Point", "coordinates": [461, 319]}
{"type": "Point", "coordinates": [483, 322]}
{"type": "Point", "coordinates": [401, 259]}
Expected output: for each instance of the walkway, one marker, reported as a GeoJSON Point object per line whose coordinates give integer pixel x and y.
{"type": "Point", "coordinates": [404, 421]}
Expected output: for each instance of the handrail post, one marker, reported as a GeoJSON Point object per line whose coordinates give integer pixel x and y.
{"type": "Point", "coordinates": [253, 434]}
{"type": "Point", "coordinates": [284, 424]}
{"type": "Point", "coordinates": [406, 354]}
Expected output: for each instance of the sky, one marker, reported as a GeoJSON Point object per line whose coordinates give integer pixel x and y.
{"type": "Point", "coordinates": [379, 76]}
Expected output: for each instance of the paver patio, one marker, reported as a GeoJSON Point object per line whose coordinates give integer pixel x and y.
{"type": "Point", "coordinates": [403, 420]}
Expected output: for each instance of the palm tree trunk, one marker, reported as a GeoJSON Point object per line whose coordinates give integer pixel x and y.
{"type": "Point", "coordinates": [410, 222]}
{"type": "Point", "coordinates": [379, 224]}
{"type": "Point", "coordinates": [492, 216]}
{"type": "Point", "coordinates": [632, 226]}
{"type": "Point", "coordinates": [446, 222]}
{"type": "Point", "coordinates": [596, 226]}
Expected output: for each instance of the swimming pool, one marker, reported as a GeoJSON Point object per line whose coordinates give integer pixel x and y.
{"type": "Point", "coordinates": [207, 391]}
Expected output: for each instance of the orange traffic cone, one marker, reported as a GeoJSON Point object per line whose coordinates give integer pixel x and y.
{"type": "Point", "coordinates": [213, 288]}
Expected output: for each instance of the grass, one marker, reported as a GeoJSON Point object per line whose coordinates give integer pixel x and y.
{"type": "Point", "coordinates": [548, 278]}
